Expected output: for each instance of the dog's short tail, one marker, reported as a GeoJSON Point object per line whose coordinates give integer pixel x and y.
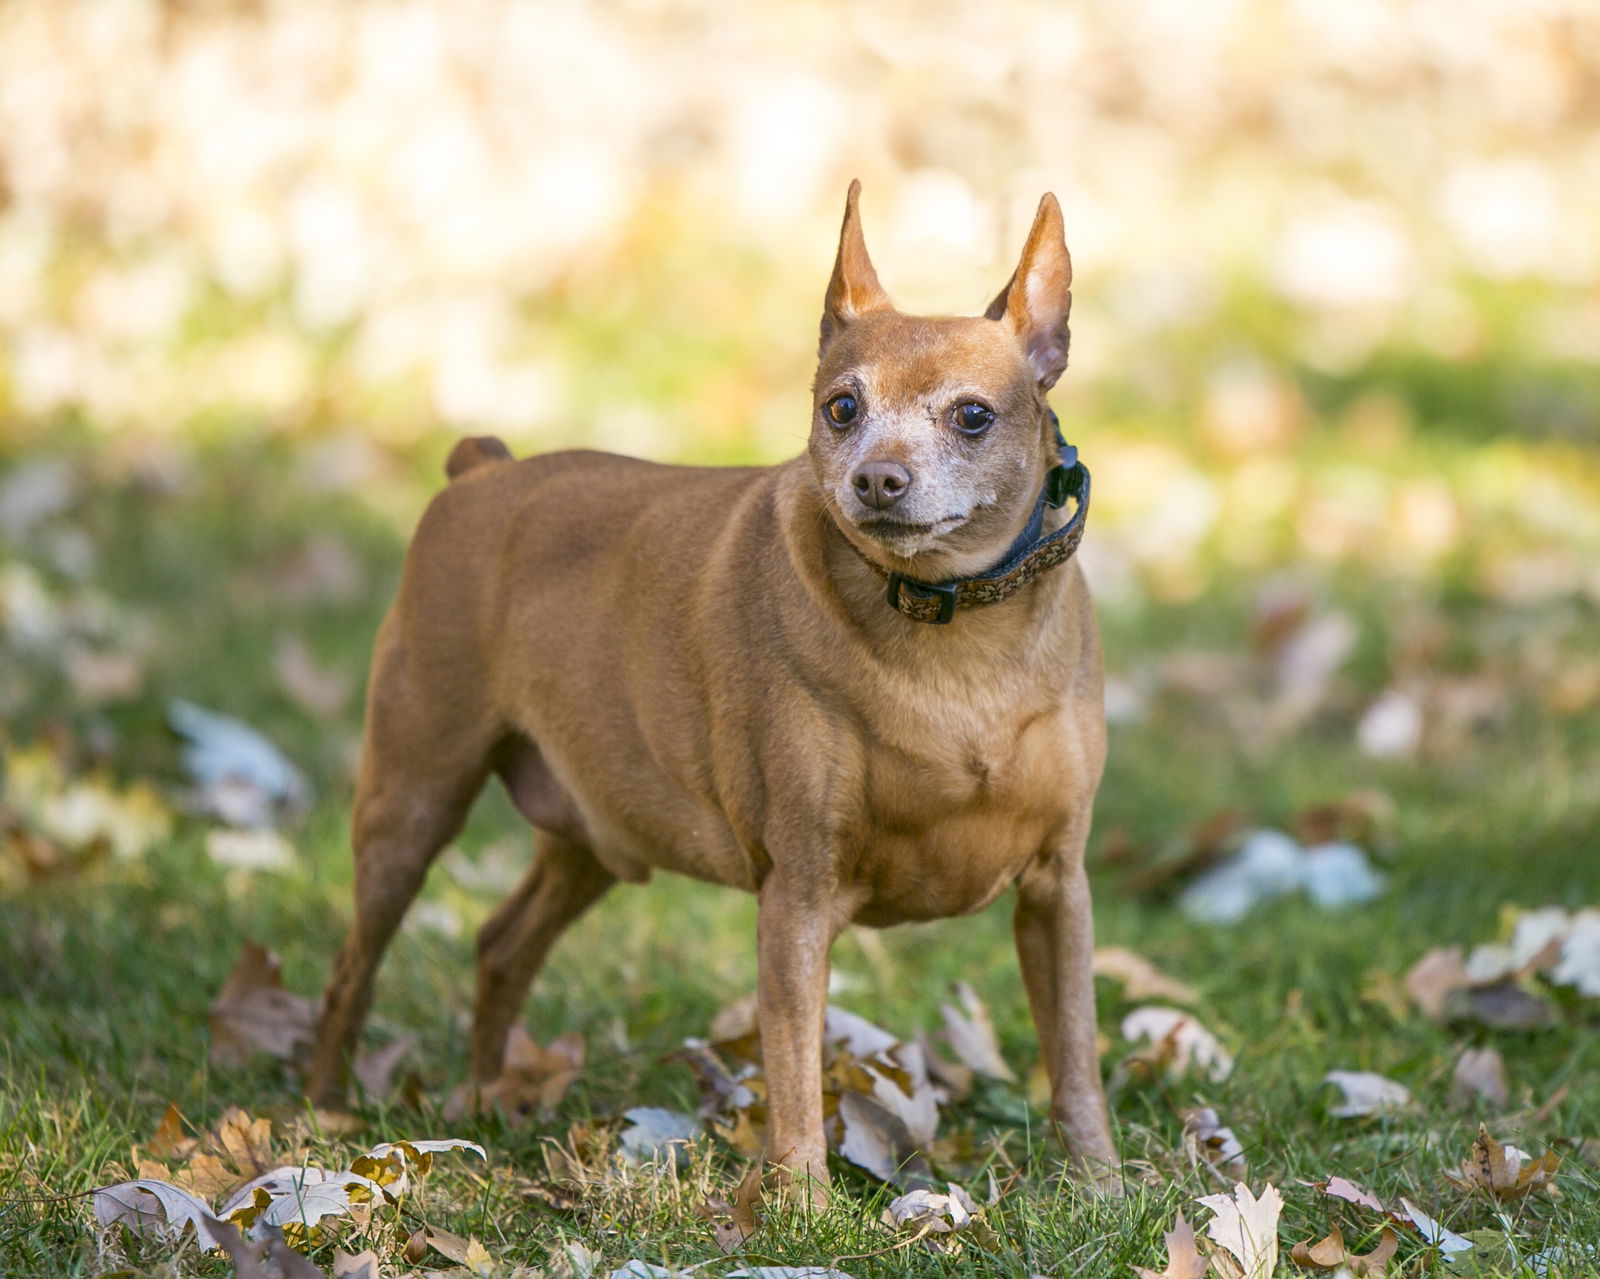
{"type": "Point", "coordinates": [473, 451]}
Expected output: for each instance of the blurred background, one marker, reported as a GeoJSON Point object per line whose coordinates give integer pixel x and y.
{"type": "Point", "coordinates": [1334, 368]}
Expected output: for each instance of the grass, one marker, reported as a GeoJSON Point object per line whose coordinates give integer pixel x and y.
{"type": "Point", "coordinates": [106, 975]}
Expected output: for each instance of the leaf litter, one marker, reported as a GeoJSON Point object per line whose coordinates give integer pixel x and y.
{"type": "Point", "coordinates": [261, 1202]}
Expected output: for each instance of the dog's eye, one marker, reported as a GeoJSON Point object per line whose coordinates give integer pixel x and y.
{"type": "Point", "coordinates": [974, 418]}
{"type": "Point", "coordinates": [842, 410]}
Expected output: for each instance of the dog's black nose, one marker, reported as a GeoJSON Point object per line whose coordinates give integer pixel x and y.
{"type": "Point", "coordinates": [881, 484]}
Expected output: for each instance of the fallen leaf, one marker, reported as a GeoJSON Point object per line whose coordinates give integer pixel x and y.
{"type": "Point", "coordinates": [259, 849]}
{"type": "Point", "coordinates": [932, 1217]}
{"type": "Point", "coordinates": [1446, 1241]}
{"type": "Point", "coordinates": [652, 1132]}
{"type": "Point", "coordinates": [1247, 1227]}
{"type": "Point", "coordinates": [389, 1162]}
{"type": "Point", "coordinates": [637, 1269]}
{"type": "Point", "coordinates": [1140, 978]}
{"type": "Point", "coordinates": [170, 1140]}
{"type": "Point", "coordinates": [1340, 874]}
{"type": "Point", "coordinates": [1179, 1042]}
{"type": "Point", "coordinates": [970, 1034]}
{"type": "Point", "coordinates": [1391, 728]}
{"type": "Point", "coordinates": [1579, 962]}
{"type": "Point", "coordinates": [1480, 1075]}
{"type": "Point", "coordinates": [856, 1035]}
{"type": "Point", "coordinates": [952, 1080]}
{"type": "Point", "coordinates": [148, 1207]}
{"type": "Point", "coordinates": [1502, 1006]}
{"type": "Point", "coordinates": [254, 1013]}
{"type": "Point", "coordinates": [788, 1272]}
{"type": "Point", "coordinates": [1504, 1171]}
{"type": "Point", "coordinates": [1365, 1093]}
{"type": "Point", "coordinates": [877, 1139]}
{"type": "Point", "coordinates": [1343, 1188]}
{"type": "Point", "coordinates": [1206, 1139]}
{"type": "Point", "coordinates": [734, 1222]}
{"type": "Point", "coordinates": [247, 1142]}
{"type": "Point", "coordinates": [1364, 817]}
{"type": "Point", "coordinates": [1183, 1258]}
{"type": "Point", "coordinates": [447, 1244]}
{"type": "Point", "coordinates": [532, 1081]}
{"type": "Point", "coordinates": [239, 775]}
{"type": "Point", "coordinates": [1331, 1253]}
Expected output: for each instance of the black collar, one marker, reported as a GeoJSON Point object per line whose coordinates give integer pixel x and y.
{"type": "Point", "coordinates": [1027, 557]}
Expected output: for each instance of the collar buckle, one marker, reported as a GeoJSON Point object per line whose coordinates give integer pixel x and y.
{"type": "Point", "coordinates": [924, 593]}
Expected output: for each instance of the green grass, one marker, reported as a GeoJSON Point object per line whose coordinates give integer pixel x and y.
{"type": "Point", "coordinates": [106, 975]}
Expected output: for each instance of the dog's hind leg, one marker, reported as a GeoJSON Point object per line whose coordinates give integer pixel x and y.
{"type": "Point", "coordinates": [563, 882]}
{"type": "Point", "coordinates": [424, 760]}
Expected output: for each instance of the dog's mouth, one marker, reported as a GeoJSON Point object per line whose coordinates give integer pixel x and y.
{"type": "Point", "coordinates": [888, 529]}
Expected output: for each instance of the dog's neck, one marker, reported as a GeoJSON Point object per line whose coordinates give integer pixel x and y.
{"type": "Point", "coordinates": [840, 582]}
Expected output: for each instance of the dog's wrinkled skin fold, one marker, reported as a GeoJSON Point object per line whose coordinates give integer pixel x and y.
{"type": "Point", "coordinates": [689, 670]}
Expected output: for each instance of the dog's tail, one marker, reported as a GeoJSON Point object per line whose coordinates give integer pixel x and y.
{"type": "Point", "coordinates": [473, 451]}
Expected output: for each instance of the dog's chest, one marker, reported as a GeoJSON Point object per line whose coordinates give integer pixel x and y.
{"type": "Point", "coordinates": [952, 806]}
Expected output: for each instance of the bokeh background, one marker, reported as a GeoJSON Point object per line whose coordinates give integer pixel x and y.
{"type": "Point", "coordinates": [1334, 367]}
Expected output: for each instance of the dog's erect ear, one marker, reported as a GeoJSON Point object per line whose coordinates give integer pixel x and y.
{"type": "Point", "coordinates": [854, 289]}
{"type": "Point", "coordinates": [1038, 298]}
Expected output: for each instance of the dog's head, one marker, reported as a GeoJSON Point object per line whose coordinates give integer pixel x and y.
{"type": "Point", "coordinates": [930, 435]}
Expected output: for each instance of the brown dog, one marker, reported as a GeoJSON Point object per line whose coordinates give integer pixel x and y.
{"type": "Point", "coordinates": [697, 670]}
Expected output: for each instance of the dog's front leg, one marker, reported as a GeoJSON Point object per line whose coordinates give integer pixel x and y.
{"type": "Point", "coordinates": [795, 930]}
{"type": "Point", "coordinates": [1055, 945]}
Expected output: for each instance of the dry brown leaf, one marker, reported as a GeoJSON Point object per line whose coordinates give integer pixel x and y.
{"type": "Point", "coordinates": [254, 1013]}
{"type": "Point", "coordinates": [444, 1242]}
{"type": "Point", "coordinates": [1183, 1258]}
{"type": "Point", "coordinates": [208, 1176]}
{"type": "Point", "coordinates": [246, 1141]}
{"type": "Point", "coordinates": [1331, 1253]}
{"type": "Point", "coordinates": [532, 1081]}
{"type": "Point", "coordinates": [1480, 1075]}
{"type": "Point", "coordinates": [169, 1140]}
{"type": "Point", "coordinates": [1141, 980]}
{"type": "Point", "coordinates": [1364, 817]}
{"type": "Point", "coordinates": [1504, 1171]}
{"type": "Point", "coordinates": [748, 1132]}
{"type": "Point", "coordinates": [1432, 978]}
{"type": "Point", "coordinates": [732, 1223]}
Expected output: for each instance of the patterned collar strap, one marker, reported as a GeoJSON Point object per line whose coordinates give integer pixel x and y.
{"type": "Point", "coordinates": [1029, 556]}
